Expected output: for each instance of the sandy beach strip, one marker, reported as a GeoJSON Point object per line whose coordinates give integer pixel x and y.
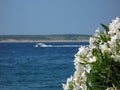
{"type": "Point", "coordinates": [12, 40]}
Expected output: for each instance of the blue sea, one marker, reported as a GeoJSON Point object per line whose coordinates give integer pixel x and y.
{"type": "Point", "coordinates": [26, 67]}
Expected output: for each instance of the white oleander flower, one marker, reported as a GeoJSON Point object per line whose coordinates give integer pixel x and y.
{"type": "Point", "coordinates": [79, 67]}
{"type": "Point", "coordinates": [104, 48]}
{"type": "Point", "coordinates": [79, 77]}
{"type": "Point", "coordinates": [92, 40]}
{"type": "Point", "coordinates": [68, 84]}
{"type": "Point", "coordinates": [87, 68]}
{"type": "Point", "coordinates": [114, 26]}
{"type": "Point", "coordinates": [116, 58]}
{"type": "Point", "coordinates": [92, 59]}
{"type": "Point", "coordinates": [83, 87]}
{"type": "Point", "coordinates": [77, 64]}
{"type": "Point", "coordinates": [118, 35]}
{"type": "Point", "coordinates": [112, 43]}
{"type": "Point", "coordinates": [83, 50]}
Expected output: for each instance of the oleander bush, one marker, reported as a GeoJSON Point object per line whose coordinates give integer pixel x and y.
{"type": "Point", "coordinates": [97, 66]}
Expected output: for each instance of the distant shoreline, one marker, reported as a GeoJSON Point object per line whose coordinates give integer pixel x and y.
{"type": "Point", "coordinates": [42, 41]}
{"type": "Point", "coordinates": [45, 38]}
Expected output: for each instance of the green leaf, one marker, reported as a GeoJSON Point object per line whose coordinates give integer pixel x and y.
{"type": "Point", "coordinates": [119, 29]}
{"type": "Point", "coordinates": [105, 27]}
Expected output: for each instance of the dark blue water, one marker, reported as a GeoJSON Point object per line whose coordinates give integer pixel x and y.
{"type": "Point", "coordinates": [24, 67]}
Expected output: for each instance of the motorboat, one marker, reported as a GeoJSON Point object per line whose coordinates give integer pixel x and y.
{"type": "Point", "coordinates": [40, 45]}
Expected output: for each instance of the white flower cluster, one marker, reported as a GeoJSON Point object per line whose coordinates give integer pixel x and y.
{"type": "Point", "coordinates": [102, 45]}
{"type": "Point", "coordinates": [114, 43]}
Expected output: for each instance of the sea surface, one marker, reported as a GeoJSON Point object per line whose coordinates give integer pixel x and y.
{"type": "Point", "coordinates": [26, 67]}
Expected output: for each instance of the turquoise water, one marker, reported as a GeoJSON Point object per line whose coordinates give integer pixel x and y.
{"type": "Point", "coordinates": [25, 67]}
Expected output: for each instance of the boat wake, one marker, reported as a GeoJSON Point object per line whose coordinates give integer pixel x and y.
{"type": "Point", "coordinates": [44, 45]}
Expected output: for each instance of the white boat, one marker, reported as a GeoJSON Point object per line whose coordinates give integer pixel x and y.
{"type": "Point", "coordinates": [40, 45]}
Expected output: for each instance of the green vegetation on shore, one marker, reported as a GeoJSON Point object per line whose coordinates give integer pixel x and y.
{"type": "Point", "coordinates": [74, 37]}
